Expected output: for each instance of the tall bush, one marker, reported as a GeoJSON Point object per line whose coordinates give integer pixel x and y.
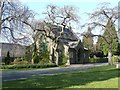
{"type": "Point", "coordinates": [115, 58]}
{"type": "Point", "coordinates": [7, 58]}
{"type": "Point", "coordinates": [36, 58]}
{"type": "Point", "coordinates": [44, 53]}
{"type": "Point", "coordinates": [63, 59]}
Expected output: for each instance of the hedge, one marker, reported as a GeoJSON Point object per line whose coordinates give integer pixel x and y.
{"type": "Point", "coordinates": [27, 66]}
{"type": "Point", "coordinates": [104, 59]}
{"type": "Point", "coordinates": [115, 58]}
{"type": "Point", "coordinates": [98, 60]}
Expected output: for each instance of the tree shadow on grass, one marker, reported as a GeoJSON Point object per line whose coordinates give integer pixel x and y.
{"type": "Point", "coordinates": [67, 80]}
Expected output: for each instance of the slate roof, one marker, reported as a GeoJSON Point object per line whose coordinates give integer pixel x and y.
{"type": "Point", "coordinates": [68, 38]}
{"type": "Point", "coordinates": [68, 34]}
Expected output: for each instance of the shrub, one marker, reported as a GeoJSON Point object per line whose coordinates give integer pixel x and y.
{"type": "Point", "coordinates": [99, 54]}
{"type": "Point", "coordinates": [65, 58]}
{"type": "Point", "coordinates": [20, 61]}
{"type": "Point", "coordinates": [7, 58]}
{"type": "Point", "coordinates": [36, 58]}
{"type": "Point", "coordinates": [93, 60]}
{"type": "Point", "coordinates": [115, 58]}
{"type": "Point", "coordinates": [21, 66]}
{"type": "Point", "coordinates": [98, 60]}
{"type": "Point", "coordinates": [28, 56]}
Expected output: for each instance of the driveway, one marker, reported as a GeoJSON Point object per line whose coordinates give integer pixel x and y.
{"type": "Point", "coordinates": [22, 74]}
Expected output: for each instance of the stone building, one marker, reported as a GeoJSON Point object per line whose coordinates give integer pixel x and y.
{"type": "Point", "coordinates": [68, 44]}
{"type": "Point", "coordinates": [15, 50]}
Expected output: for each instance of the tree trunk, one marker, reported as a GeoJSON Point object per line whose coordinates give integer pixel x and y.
{"type": "Point", "coordinates": [32, 61]}
{"type": "Point", "coordinates": [110, 57]}
{"type": "Point", "coordinates": [57, 58]}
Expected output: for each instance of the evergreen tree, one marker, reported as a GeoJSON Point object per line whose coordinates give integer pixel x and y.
{"type": "Point", "coordinates": [88, 41]}
{"type": "Point", "coordinates": [99, 51]}
{"type": "Point", "coordinates": [43, 52]}
{"type": "Point", "coordinates": [108, 43]}
{"type": "Point", "coordinates": [105, 18]}
{"type": "Point", "coordinates": [7, 58]}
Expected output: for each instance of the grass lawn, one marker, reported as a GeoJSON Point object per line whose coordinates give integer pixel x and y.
{"type": "Point", "coordinates": [99, 77]}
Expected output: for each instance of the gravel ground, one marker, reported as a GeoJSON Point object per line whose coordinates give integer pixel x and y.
{"type": "Point", "coordinates": [22, 74]}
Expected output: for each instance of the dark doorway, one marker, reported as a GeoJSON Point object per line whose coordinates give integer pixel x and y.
{"type": "Point", "coordinates": [53, 56]}
{"type": "Point", "coordinates": [72, 55]}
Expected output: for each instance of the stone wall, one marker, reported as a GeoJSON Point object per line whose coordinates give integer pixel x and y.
{"type": "Point", "coordinates": [15, 50]}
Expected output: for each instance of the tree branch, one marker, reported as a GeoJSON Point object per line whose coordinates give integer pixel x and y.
{"type": "Point", "coordinates": [105, 14]}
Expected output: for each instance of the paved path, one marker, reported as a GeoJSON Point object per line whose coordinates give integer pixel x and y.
{"type": "Point", "coordinates": [22, 74]}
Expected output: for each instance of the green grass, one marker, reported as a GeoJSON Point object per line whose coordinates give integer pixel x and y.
{"type": "Point", "coordinates": [99, 77]}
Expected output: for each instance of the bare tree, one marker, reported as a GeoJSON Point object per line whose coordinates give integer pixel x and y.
{"type": "Point", "coordinates": [12, 15]}
{"type": "Point", "coordinates": [105, 18]}
{"type": "Point", "coordinates": [60, 16]}
{"type": "Point", "coordinates": [56, 16]}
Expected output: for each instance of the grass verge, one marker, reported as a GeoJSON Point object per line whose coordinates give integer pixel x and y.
{"type": "Point", "coordinates": [99, 77]}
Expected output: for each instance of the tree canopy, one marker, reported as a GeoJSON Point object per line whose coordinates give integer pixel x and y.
{"type": "Point", "coordinates": [105, 18]}
{"type": "Point", "coordinates": [88, 40]}
{"type": "Point", "coordinates": [111, 40]}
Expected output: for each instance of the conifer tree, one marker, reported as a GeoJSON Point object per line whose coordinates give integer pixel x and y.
{"type": "Point", "coordinates": [88, 41]}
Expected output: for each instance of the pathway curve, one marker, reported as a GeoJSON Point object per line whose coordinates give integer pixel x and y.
{"type": "Point", "coordinates": [22, 74]}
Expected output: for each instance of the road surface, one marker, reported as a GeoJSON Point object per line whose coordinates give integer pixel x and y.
{"type": "Point", "coordinates": [22, 74]}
